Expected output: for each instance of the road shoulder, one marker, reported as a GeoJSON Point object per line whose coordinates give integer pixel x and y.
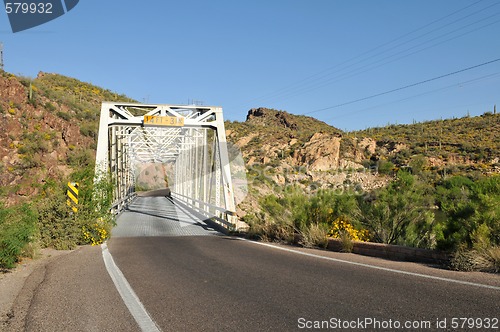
{"type": "Point", "coordinates": [17, 286]}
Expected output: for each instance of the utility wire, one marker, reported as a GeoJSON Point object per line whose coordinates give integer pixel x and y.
{"type": "Point", "coordinates": [295, 88]}
{"type": "Point", "coordinates": [460, 84]}
{"type": "Point", "coordinates": [379, 63]}
{"type": "Point", "coordinates": [370, 66]}
{"type": "Point", "coordinates": [404, 87]}
{"type": "Point", "coordinates": [322, 73]}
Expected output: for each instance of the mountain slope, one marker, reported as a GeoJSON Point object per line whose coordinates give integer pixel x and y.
{"type": "Point", "coordinates": [48, 128]}
{"type": "Point", "coordinates": [468, 139]}
{"type": "Point", "coordinates": [282, 150]}
{"type": "Point", "coordinates": [277, 138]}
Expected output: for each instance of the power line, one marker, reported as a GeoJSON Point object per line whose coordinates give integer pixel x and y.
{"type": "Point", "coordinates": [379, 63]}
{"type": "Point", "coordinates": [460, 84]}
{"type": "Point", "coordinates": [404, 87]}
{"type": "Point", "coordinates": [314, 81]}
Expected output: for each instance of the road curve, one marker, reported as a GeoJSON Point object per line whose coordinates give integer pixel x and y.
{"type": "Point", "coordinates": [218, 283]}
{"type": "Point", "coordinates": [187, 277]}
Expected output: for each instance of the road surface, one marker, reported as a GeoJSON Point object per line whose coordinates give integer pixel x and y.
{"type": "Point", "coordinates": [187, 277]}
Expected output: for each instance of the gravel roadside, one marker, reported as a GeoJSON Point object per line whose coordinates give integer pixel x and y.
{"type": "Point", "coordinates": [14, 280]}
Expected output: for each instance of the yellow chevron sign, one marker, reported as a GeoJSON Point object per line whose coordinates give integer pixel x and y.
{"type": "Point", "coordinates": [72, 194]}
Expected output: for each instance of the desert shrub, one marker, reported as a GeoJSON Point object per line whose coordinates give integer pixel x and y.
{"type": "Point", "coordinates": [346, 242]}
{"type": "Point", "coordinates": [275, 222]}
{"type": "Point", "coordinates": [61, 228]}
{"type": "Point", "coordinates": [342, 228]}
{"type": "Point", "coordinates": [385, 167]}
{"type": "Point", "coordinates": [272, 231]}
{"type": "Point", "coordinates": [33, 142]}
{"type": "Point", "coordinates": [485, 260]}
{"type": "Point", "coordinates": [96, 233]}
{"type": "Point", "coordinates": [80, 157]}
{"type": "Point", "coordinates": [17, 230]}
{"type": "Point", "coordinates": [57, 223]}
{"type": "Point", "coordinates": [472, 212]}
{"type": "Point", "coordinates": [418, 164]}
{"type": "Point", "coordinates": [312, 218]}
{"type": "Point", "coordinates": [88, 129]}
{"type": "Point", "coordinates": [49, 107]}
{"type": "Point", "coordinates": [325, 207]}
{"type": "Point", "coordinates": [314, 236]}
{"type": "Point", "coordinates": [64, 115]}
{"type": "Point", "coordinates": [399, 213]}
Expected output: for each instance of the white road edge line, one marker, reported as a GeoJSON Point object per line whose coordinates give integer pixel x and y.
{"type": "Point", "coordinates": [128, 295]}
{"type": "Point", "coordinates": [468, 283]}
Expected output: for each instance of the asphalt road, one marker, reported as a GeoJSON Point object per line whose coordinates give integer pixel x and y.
{"type": "Point", "coordinates": [219, 283]}
{"type": "Point", "coordinates": [200, 280]}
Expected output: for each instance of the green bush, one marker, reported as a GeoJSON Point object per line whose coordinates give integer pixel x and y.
{"type": "Point", "coordinates": [472, 212]}
{"type": "Point", "coordinates": [80, 157]}
{"type": "Point", "coordinates": [295, 213]}
{"type": "Point", "coordinates": [64, 115]}
{"type": "Point", "coordinates": [385, 167]}
{"type": "Point", "coordinates": [276, 222]}
{"type": "Point", "coordinates": [89, 130]}
{"type": "Point", "coordinates": [61, 228]}
{"type": "Point", "coordinates": [17, 230]}
{"type": "Point", "coordinates": [49, 107]}
{"type": "Point", "coordinates": [399, 213]}
{"type": "Point", "coordinates": [57, 223]}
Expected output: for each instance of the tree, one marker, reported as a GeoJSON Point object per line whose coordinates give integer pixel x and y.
{"type": "Point", "coordinates": [399, 213]}
{"type": "Point", "coordinates": [418, 164]}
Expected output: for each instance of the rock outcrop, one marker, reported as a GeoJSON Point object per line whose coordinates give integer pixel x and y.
{"type": "Point", "coordinates": [320, 153]}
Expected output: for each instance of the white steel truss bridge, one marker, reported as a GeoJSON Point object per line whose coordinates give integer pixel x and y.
{"type": "Point", "coordinates": [188, 141]}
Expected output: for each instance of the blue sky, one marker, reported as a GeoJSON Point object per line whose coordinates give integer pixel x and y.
{"type": "Point", "coordinates": [298, 56]}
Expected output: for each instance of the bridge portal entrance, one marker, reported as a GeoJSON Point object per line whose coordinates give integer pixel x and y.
{"type": "Point", "coordinates": [188, 143]}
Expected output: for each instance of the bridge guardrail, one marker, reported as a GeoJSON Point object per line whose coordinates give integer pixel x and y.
{"type": "Point", "coordinates": [121, 204]}
{"type": "Point", "coordinates": [225, 218]}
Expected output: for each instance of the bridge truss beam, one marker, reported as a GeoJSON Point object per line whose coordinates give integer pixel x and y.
{"type": "Point", "coordinates": [188, 140]}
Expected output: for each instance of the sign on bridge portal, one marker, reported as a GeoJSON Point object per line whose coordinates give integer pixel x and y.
{"type": "Point", "coordinates": [167, 121]}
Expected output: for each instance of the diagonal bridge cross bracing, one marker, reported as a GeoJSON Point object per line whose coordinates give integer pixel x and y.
{"type": "Point", "coordinates": [188, 140]}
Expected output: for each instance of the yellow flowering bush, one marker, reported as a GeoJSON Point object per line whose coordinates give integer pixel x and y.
{"type": "Point", "coordinates": [96, 233]}
{"type": "Point", "coordinates": [341, 226]}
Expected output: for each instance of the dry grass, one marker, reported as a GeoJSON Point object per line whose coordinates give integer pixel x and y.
{"type": "Point", "coordinates": [272, 232]}
{"type": "Point", "coordinates": [314, 236]}
{"type": "Point", "coordinates": [485, 260]}
{"type": "Point", "coordinates": [347, 244]}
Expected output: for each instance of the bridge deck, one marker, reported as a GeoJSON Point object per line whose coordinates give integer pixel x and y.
{"type": "Point", "coordinates": [159, 216]}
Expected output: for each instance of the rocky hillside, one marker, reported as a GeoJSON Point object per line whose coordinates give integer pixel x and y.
{"type": "Point", "coordinates": [279, 139]}
{"type": "Point", "coordinates": [48, 125]}
{"type": "Point", "coordinates": [467, 143]}
{"type": "Point", "coordinates": [281, 149]}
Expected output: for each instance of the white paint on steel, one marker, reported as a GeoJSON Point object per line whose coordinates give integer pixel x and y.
{"type": "Point", "coordinates": [420, 275]}
{"type": "Point", "coordinates": [124, 142]}
{"type": "Point", "coordinates": [128, 295]}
